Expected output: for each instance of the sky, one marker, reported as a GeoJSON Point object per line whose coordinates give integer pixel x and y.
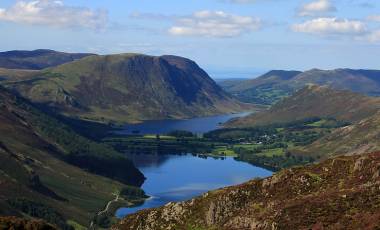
{"type": "Point", "coordinates": [228, 38]}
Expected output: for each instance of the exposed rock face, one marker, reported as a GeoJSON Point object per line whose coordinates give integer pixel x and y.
{"type": "Point", "coordinates": [340, 193]}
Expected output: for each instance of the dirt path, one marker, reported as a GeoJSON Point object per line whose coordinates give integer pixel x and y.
{"type": "Point", "coordinates": [106, 209]}
{"type": "Point", "coordinates": [108, 205]}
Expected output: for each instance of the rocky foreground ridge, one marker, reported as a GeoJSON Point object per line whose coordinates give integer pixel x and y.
{"type": "Point", "coordinates": [339, 193]}
{"type": "Point", "coordinates": [14, 223]}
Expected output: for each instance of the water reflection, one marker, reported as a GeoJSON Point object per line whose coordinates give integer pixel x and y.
{"type": "Point", "coordinates": [181, 177]}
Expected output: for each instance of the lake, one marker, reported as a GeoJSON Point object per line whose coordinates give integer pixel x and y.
{"type": "Point", "coordinates": [182, 177]}
{"type": "Point", "coordinates": [194, 125]}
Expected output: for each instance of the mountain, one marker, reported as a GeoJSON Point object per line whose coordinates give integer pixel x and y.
{"type": "Point", "coordinates": [357, 138]}
{"type": "Point", "coordinates": [266, 89]}
{"type": "Point", "coordinates": [127, 87]}
{"type": "Point", "coordinates": [229, 83]}
{"type": "Point", "coordinates": [274, 85]}
{"type": "Point", "coordinates": [48, 171]}
{"type": "Point", "coordinates": [340, 193]}
{"type": "Point", "coordinates": [314, 101]}
{"type": "Point", "coordinates": [37, 59]}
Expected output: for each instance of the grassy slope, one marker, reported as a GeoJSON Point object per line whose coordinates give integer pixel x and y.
{"type": "Point", "coordinates": [40, 148]}
{"type": "Point", "coordinates": [128, 87]}
{"type": "Point", "coordinates": [354, 139]}
{"type": "Point", "coordinates": [314, 101]}
{"type": "Point", "coordinates": [266, 89]}
{"type": "Point", "coordinates": [340, 193]}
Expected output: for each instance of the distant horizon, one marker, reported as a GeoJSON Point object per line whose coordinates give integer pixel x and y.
{"type": "Point", "coordinates": [216, 73]}
{"type": "Point", "coordinates": [217, 34]}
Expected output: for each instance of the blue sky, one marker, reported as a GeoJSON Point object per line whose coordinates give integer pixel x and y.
{"type": "Point", "coordinates": [229, 38]}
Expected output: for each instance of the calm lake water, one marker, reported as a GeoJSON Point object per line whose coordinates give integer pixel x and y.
{"type": "Point", "coordinates": [195, 125]}
{"type": "Point", "coordinates": [182, 177]}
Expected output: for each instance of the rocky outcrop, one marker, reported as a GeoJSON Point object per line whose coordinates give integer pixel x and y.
{"type": "Point", "coordinates": [340, 193]}
{"type": "Point", "coordinates": [15, 223]}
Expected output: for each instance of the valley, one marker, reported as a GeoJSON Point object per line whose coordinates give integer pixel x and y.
{"type": "Point", "coordinates": [189, 115]}
{"type": "Point", "coordinates": [104, 141]}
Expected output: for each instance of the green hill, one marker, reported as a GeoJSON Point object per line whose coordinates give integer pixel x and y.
{"type": "Point", "coordinates": [36, 59]}
{"type": "Point", "coordinates": [274, 85]}
{"type": "Point", "coordinates": [127, 87]}
{"type": "Point", "coordinates": [340, 193]}
{"type": "Point", "coordinates": [314, 101]}
{"type": "Point", "coordinates": [266, 89]}
{"type": "Point", "coordinates": [48, 171]}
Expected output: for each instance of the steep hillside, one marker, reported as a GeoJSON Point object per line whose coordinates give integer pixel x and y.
{"type": "Point", "coordinates": [37, 59]}
{"type": "Point", "coordinates": [314, 101]}
{"type": "Point", "coordinates": [340, 193]}
{"type": "Point", "coordinates": [358, 138]}
{"type": "Point", "coordinates": [128, 87]}
{"type": "Point", "coordinates": [274, 85]}
{"type": "Point", "coordinates": [46, 168]}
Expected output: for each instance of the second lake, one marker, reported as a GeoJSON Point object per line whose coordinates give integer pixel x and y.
{"type": "Point", "coordinates": [182, 177]}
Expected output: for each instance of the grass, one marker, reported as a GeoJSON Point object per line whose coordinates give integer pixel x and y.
{"type": "Point", "coordinates": [224, 151]}
{"type": "Point", "coordinates": [164, 137]}
{"type": "Point", "coordinates": [272, 152]}
{"type": "Point", "coordinates": [317, 123]}
{"type": "Point", "coordinates": [76, 225]}
{"type": "Point", "coordinates": [247, 146]}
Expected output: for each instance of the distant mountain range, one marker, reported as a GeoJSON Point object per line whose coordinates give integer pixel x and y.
{"type": "Point", "coordinates": [274, 85]}
{"type": "Point", "coordinates": [314, 101]}
{"type": "Point", "coordinates": [37, 59]}
{"type": "Point", "coordinates": [125, 87]}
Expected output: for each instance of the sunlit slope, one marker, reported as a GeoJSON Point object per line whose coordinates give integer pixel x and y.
{"type": "Point", "coordinates": [357, 138]}
{"type": "Point", "coordinates": [314, 101]}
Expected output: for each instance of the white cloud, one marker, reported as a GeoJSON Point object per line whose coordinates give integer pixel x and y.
{"type": "Point", "coordinates": [215, 24]}
{"type": "Point", "coordinates": [331, 26]}
{"type": "Point", "coordinates": [318, 7]}
{"type": "Point", "coordinates": [375, 18]}
{"type": "Point", "coordinates": [54, 13]}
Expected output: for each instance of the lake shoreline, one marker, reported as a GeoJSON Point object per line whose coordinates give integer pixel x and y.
{"type": "Point", "coordinates": [208, 173]}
